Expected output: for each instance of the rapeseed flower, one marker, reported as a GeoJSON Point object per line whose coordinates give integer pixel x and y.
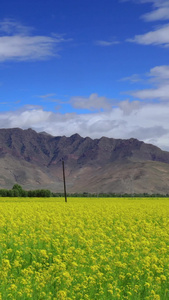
{"type": "Point", "coordinates": [87, 249]}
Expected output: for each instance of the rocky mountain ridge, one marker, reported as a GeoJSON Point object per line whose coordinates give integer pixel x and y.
{"type": "Point", "coordinates": [33, 160]}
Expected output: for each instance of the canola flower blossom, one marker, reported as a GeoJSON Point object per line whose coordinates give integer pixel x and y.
{"type": "Point", "coordinates": [93, 248]}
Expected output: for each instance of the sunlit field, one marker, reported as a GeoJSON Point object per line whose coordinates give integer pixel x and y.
{"type": "Point", "coordinates": [87, 248]}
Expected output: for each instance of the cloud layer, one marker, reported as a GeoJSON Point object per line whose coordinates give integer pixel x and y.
{"type": "Point", "coordinates": [144, 121]}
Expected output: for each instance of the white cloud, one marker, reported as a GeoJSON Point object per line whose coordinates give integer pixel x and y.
{"type": "Point", "coordinates": [24, 117]}
{"type": "Point", "coordinates": [160, 10]}
{"type": "Point", "coordinates": [127, 107]}
{"type": "Point", "coordinates": [18, 44]}
{"type": "Point", "coordinates": [93, 102]}
{"type": "Point", "coordinates": [159, 77]}
{"type": "Point", "coordinates": [161, 93]}
{"type": "Point", "coordinates": [158, 14]}
{"type": "Point", "coordinates": [10, 26]}
{"type": "Point", "coordinates": [150, 133]}
{"type": "Point", "coordinates": [8, 103]}
{"type": "Point", "coordinates": [159, 36]}
{"type": "Point", "coordinates": [132, 79]}
{"type": "Point", "coordinates": [25, 47]}
{"type": "Point", "coordinates": [159, 74]}
{"type": "Point", "coordinates": [106, 43]}
{"type": "Point", "coordinates": [47, 96]}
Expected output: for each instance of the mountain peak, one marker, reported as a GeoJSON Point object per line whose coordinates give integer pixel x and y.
{"type": "Point", "coordinates": [75, 136]}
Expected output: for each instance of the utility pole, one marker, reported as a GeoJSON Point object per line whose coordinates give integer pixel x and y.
{"type": "Point", "coordinates": [64, 180]}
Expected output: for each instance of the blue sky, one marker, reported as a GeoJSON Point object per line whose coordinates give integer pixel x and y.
{"type": "Point", "coordinates": [98, 68]}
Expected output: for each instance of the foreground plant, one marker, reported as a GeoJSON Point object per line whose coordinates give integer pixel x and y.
{"type": "Point", "coordinates": [84, 249]}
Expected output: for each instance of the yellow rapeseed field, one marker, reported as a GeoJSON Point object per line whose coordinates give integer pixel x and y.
{"type": "Point", "coordinates": [88, 248]}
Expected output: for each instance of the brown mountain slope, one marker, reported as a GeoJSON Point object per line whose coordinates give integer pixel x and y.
{"type": "Point", "coordinates": [101, 165]}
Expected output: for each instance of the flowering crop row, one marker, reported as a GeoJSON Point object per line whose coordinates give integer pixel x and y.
{"type": "Point", "coordinates": [84, 249]}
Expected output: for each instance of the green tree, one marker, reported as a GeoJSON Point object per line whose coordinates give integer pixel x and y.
{"type": "Point", "coordinates": [17, 190]}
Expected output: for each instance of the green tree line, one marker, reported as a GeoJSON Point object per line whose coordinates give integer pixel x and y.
{"type": "Point", "coordinates": [17, 191]}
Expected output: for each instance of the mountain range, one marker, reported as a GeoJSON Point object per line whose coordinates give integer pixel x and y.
{"type": "Point", "coordinates": [105, 165]}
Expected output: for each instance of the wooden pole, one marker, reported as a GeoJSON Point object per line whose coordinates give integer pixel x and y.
{"type": "Point", "coordinates": [64, 180]}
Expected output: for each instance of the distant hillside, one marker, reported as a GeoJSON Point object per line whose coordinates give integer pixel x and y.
{"type": "Point", "coordinates": [33, 160]}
